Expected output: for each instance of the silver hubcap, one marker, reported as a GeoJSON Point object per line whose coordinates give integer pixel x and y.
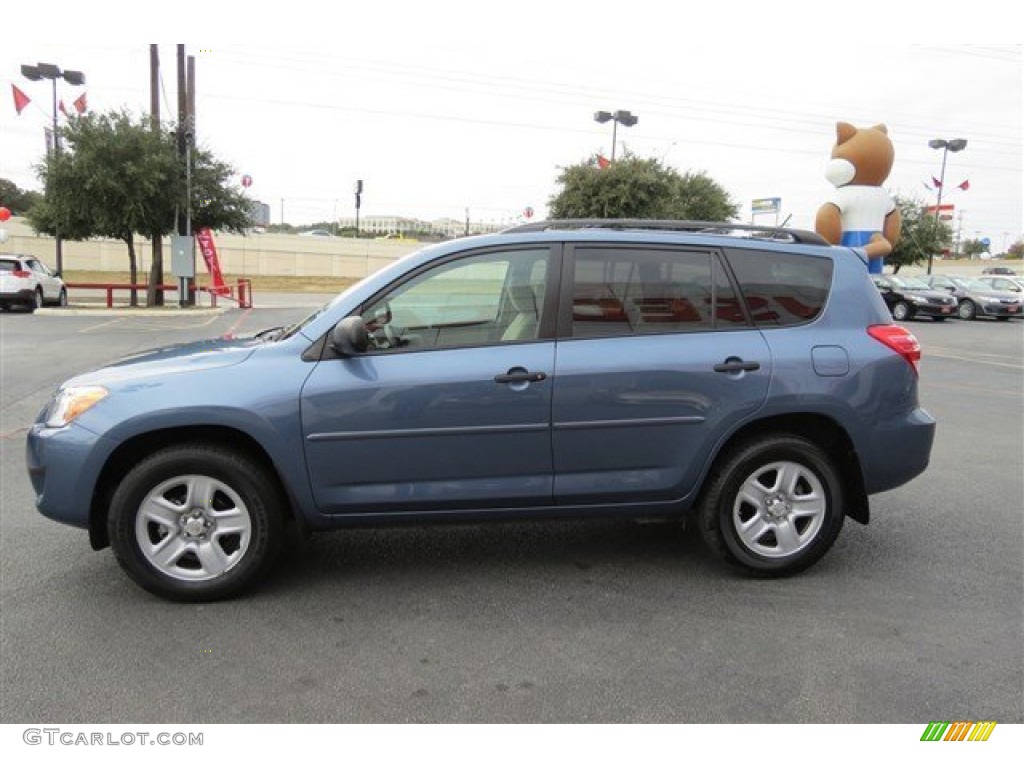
{"type": "Point", "coordinates": [193, 528]}
{"type": "Point", "coordinates": [779, 509]}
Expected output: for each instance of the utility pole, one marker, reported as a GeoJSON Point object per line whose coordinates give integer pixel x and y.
{"type": "Point", "coordinates": [155, 296]}
{"type": "Point", "coordinates": [190, 148]}
{"type": "Point", "coordinates": [185, 268]}
{"type": "Point", "coordinates": [959, 231]}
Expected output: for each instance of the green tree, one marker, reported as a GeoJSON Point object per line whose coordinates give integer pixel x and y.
{"type": "Point", "coordinates": [15, 199]}
{"type": "Point", "coordinates": [117, 177]}
{"type": "Point", "coordinates": [639, 188]}
{"type": "Point", "coordinates": [972, 248]}
{"type": "Point", "coordinates": [921, 234]}
{"type": "Point", "coordinates": [1016, 250]}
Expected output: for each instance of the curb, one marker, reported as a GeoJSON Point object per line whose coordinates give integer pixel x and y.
{"type": "Point", "coordinates": [80, 311]}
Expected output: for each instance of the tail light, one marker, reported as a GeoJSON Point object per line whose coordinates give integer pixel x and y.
{"type": "Point", "coordinates": [899, 340]}
{"type": "Point", "coordinates": [21, 273]}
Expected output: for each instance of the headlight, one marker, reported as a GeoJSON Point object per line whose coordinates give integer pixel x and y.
{"type": "Point", "coordinates": [72, 402]}
{"type": "Point", "coordinates": [918, 299]}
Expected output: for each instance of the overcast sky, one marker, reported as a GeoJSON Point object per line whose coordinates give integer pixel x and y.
{"type": "Point", "coordinates": [445, 106]}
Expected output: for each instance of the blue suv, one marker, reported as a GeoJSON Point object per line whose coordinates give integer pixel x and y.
{"type": "Point", "coordinates": [749, 379]}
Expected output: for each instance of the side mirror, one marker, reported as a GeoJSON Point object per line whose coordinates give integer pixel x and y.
{"type": "Point", "coordinates": [350, 337]}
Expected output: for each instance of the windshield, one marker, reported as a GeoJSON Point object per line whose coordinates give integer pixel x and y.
{"type": "Point", "coordinates": [293, 329]}
{"type": "Point", "coordinates": [914, 283]}
{"type": "Point", "coordinates": [975, 285]}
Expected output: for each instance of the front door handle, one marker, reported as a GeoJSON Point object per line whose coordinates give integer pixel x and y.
{"type": "Point", "coordinates": [736, 365]}
{"type": "Point", "coordinates": [520, 376]}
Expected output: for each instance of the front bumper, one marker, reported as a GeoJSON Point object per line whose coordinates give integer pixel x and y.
{"type": "Point", "coordinates": [936, 310]}
{"type": "Point", "coordinates": [1000, 310]}
{"type": "Point", "coordinates": [63, 466]}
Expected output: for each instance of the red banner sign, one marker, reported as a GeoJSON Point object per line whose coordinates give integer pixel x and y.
{"type": "Point", "coordinates": [208, 248]}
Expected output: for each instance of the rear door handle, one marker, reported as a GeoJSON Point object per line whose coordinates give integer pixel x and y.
{"type": "Point", "coordinates": [736, 365]}
{"type": "Point", "coordinates": [520, 376]}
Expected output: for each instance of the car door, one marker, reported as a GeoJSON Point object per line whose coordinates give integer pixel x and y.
{"type": "Point", "coordinates": [656, 359]}
{"type": "Point", "coordinates": [451, 408]}
{"type": "Point", "coordinates": [47, 282]}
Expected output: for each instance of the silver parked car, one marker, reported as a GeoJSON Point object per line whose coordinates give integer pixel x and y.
{"type": "Point", "coordinates": [26, 281]}
{"type": "Point", "coordinates": [1005, 283]}
{"type": "Point", "coordinates": [976, 298]}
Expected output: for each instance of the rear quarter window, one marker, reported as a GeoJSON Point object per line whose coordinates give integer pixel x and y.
{"type": "Point", "coordinates": [781, 289]}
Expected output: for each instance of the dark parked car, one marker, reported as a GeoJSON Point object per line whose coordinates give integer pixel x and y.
{"type": "Point", "coordinates": [908, 297]}
{"type": "Point", "coordinates": [997, 271]}
{"type": "Point", "coordinates": [751, 380]}
{"type": "Point", "coordinates": [977, 299]}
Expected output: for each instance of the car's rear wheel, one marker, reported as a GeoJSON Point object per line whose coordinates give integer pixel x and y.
{"type": "Point", "coordinates": [773, 506]}
{"type": "Point", "coordinates": [196, 522]}
{"type": "Point", "coordinates": [967, 310]}
{"type": "Point", "coordinates": [37, 300]}
{"type": "Point", "coordinates": [901, 310]}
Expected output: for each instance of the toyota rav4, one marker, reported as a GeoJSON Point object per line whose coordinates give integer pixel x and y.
{"type": "Point", "coordinates": [748, 379]}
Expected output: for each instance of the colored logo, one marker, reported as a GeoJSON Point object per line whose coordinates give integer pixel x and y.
{"type": "Point", "coordinates": [958, 731]}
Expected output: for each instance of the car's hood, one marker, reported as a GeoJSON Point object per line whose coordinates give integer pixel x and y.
{"type": "Point", "coordinates": [929, 293]}
{"type": "Point", "coordinates": [174, 359]}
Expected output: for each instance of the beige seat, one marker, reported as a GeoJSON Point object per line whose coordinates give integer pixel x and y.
{"type": "Point", "coordinates": [524, 325]}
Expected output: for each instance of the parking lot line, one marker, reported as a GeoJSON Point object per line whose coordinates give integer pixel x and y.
{"type": "Point", "coordinates": [100, 325]}
{"type": "Point", "coordinates": [938, 352]}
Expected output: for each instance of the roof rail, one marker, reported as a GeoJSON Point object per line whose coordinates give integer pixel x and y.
{"type": "Point", "coordinates": [672, 225]}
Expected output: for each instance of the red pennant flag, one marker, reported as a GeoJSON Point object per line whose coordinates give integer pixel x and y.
{"type": "Point", "coordinates": [81, 104]}
{"type": "Point", "coordinates": [937, 183]}
{"type": "Point", "coordinates": [965, 185]}
{"type": "Point", "coordinates": [62, 108]}
{"type": "Point", "coordinates": [603, 162]}
{"type": "Point", "coordinates": [20, 99]}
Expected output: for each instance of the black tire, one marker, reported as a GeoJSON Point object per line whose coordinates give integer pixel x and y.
{"type": "Point", "coordinates": [967, 310]}
{"type": "Point", "coordinates": [1002, 317]}
{"type": "Point", "coordinates": [62, 300]}
{"type": "Point", "coordinates": [901, 310]}
{"type": "Point", "coordinates": [217, 522]}
{"type": "Point", "coordinates": [790, 540]}
{"type": "Point", "coordinates": [37, 301]}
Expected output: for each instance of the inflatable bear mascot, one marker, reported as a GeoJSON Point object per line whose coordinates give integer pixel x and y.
{"type": "Point", "coordinates": [860, 213]}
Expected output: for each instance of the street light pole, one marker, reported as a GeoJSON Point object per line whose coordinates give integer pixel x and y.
{"type": "Point", "coordinates": [953, 145]}
{"type": "Point", "coordinates": [52, 72]}
{"type": "Point", "coordinates": [623, 116]}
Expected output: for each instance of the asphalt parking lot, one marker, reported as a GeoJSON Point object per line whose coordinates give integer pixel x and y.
{"type": "Point", "coordinates": [914, 618]}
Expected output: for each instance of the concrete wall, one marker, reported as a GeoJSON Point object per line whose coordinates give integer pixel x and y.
{"type": "Point", "coordinates": [252, 255]}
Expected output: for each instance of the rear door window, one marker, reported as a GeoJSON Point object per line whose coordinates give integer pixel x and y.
{"type": "Point", "coordinates": [781, 289]}
{"type": "Point", "coordinates": [633, 290]}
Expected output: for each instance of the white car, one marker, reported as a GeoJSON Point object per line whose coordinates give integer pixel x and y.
{"type": "Point", "coordinates": [26, 281]}
{"type": "Point", "coordinates": [1012, 283]}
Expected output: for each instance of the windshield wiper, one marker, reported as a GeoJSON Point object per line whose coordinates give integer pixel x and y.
{"type": "Point", "coordinates": [270, 333]}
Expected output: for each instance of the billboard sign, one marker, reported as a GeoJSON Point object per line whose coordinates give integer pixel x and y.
{"type": "Point", "coordinates": [766, 205]}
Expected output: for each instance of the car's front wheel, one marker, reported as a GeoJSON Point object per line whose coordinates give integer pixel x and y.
{"type": "Point", "coordinates": [773, 506]}
{"type": "Point", "coordinates": [967, 310]}
{"type": "Point", "coordinates": [901, 310]}
{"type": "Point", "coordinates": [196, 522]}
